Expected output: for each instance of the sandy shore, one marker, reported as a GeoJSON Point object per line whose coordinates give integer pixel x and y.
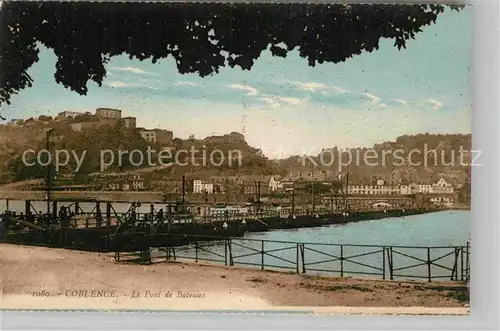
{"type": "Point", "coordinates": [45, 278]}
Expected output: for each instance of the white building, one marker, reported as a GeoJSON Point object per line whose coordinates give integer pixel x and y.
{"type": "Point", "coordinates": [200, 186]}
{"type": "Point", "coordinates": [15, 122]}
{"type": "Point", "coordinates": [442, 187]}
{"type": "Point", "coordinates": [66, 114]}
{"type": "Point", "coordinates": [129, 122]}
{"type": "Point", "coordinates": [275, 184]}
{"type": "Point", "coordinates": [443, 201]}
{"type": "Point", "coordinates": [405, 190]}
{"type": "Point", "coordinates": [148, 135]}
{"type": "Point", "coordinates": [228, 210]}
{"type": "Point", "coordinates": [373, 189]}
{"type": "Point", "coordinates": [424, 188]}
{"type": "Point", "coordinates": [76, 127]}
{"type": "Point", "coordinates": [382, 205]}
{"type": "Point", "coordinates": [108, 113]}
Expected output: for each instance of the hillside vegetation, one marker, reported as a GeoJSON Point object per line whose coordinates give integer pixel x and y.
{"type": "Point", "coordinates": [446, 161]}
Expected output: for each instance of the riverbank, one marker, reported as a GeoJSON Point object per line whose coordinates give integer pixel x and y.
{"type": "Point", "coordinates": [461, 207]}
{"type": "Point", "coordinates": [84, 280]}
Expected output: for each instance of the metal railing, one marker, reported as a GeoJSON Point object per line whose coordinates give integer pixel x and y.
{"type": "Point", "coordinates": [387, 262]}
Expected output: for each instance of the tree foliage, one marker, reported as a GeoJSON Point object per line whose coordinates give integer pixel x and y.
{"type": "Point", "coordinates": [201, 37]}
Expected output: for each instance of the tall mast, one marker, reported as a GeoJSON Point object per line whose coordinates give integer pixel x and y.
{"type": "Point", "coordinates": [312, 189]}
{"type": "Point", "coordinates": [183, 189]}
{"type": "Point", "coordinates": [258, 191]}
{"type": "Point", "coordinates": [346, 188]}
{"type": "Point", "coordinates": [213, 190]}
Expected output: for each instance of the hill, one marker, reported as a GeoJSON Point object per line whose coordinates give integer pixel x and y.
{"type": "Point", "coordinates": [417, 158]}
{"type": "Point", "coordinates": [411, 158]}
{"type": "Point", "coordinates": [212, 156]}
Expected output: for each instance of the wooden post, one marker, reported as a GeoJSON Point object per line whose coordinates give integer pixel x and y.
{"type": "Point", "coordinates": [262, 255]}
{"type": "Point", "coordinates": [341, 261]}
{"type": "Point", "coordinates": [303, 256]}
{"type": "Point", "coordinates": [98, 214]}
{"type": "Point", "coordinates": [297, 261]}
{"type": "Point", "coordinates": [27, 207]}
{"type": "Point", "coordinates": [54, 209]}
{"type": "Point", "coordinates": [454, 269]}
{"type": "Point", "coordinates": [383, 262]}
{"type": "Point", "coordinates": [196, 250]}
{"type": "Point", "coordinates": [77, 208]}
{"type": "Point", "coordinates": [467, 266]}
{"type": "Point", "coordinates": [225, 252]}
{"type": "Point", "coordinates": [152, 218]}
{"type": "Point", "coordinates": [429, 277]}
{"type": "Point", "coordinates": [461, 263]}
{"type": "Point", "coordinates": [230, 246]}
{"type": "Point", "coordinates": [7, 204]}
{"type": "Point", "coordinates": [108, 212]}
{"type": "Point", "coordinates": [390, 262]}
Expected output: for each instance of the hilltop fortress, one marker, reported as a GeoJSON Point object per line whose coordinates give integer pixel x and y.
{"type": "Point", "coordinates": [79, 121]}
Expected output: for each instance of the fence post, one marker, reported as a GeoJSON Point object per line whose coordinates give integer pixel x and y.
{"type": "Point", "coordinates": [303, 255]}
{"type": "Point", "coordinates": [231, 262]}
{"type": "Point", "coordinates": [341, 260]}
{"type": "Point", "coordinates": [196, 250]}
{"type": "Point", "coordinates": [262, 255]}
{"type": "Point", "coordinates": [225, 252]}
{"type": "Point", "coordinates": [297, 261]}
{"type": "Point", "coordinates": [383, 262]}
{"type": "Point", "coordinates": [429, 264]}
{"type": "Point", "coordinates": [467, 266]}
{"type": "Point", "coordinates": [461, 263]}
{"type": "Point", "coordinates": [454, 271]}
{"type": "Point", "coordinates": [390, 262]}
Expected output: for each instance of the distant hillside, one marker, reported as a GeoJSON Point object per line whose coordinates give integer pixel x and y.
{"type": "Point", "coordinates": [245, 159]}
{"type": "Point", "coordinates": [402, 160]}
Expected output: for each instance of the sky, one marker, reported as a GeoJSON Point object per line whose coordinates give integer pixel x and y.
{"type": "Point", "coordinates": [283, 106]}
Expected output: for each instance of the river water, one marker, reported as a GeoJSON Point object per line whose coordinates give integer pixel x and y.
{"type": "Point", "coordinates": [445, 228]}
{"type": "Point", "coordinates": [324, 246]}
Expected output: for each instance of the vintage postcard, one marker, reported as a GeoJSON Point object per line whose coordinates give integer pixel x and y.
{"type": "Point", "coordinates": [243, 157]}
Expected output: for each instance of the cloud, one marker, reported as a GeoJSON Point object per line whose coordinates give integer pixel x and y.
{"type": "Point", "coordinates": [184, 83]}
{"type": "Point", "coordinates": [120, 84]}
{"type": "Point", "coordinates": [312, 86]}
{"type": "Point", "coordinates": [291, 100]}
{"type": "Point", "coordinates": [373, 98]}
{"type": "Point", "coordinates": [275, 101]}
{"type": "Point", "coordinates": [251, 91]}
{"type": "Point", "coordinates": [270, 101]}
{"type": "Point", "coordinates": [316, 86]}
{"type": "Point", "coordinates": [401, 101]}
{"type": "Point", "coordinates": [435, 103]}
{"type": "Point", "coordinates": [133, 70]}
{"type": "Point", "coordinates": [338, 89]}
